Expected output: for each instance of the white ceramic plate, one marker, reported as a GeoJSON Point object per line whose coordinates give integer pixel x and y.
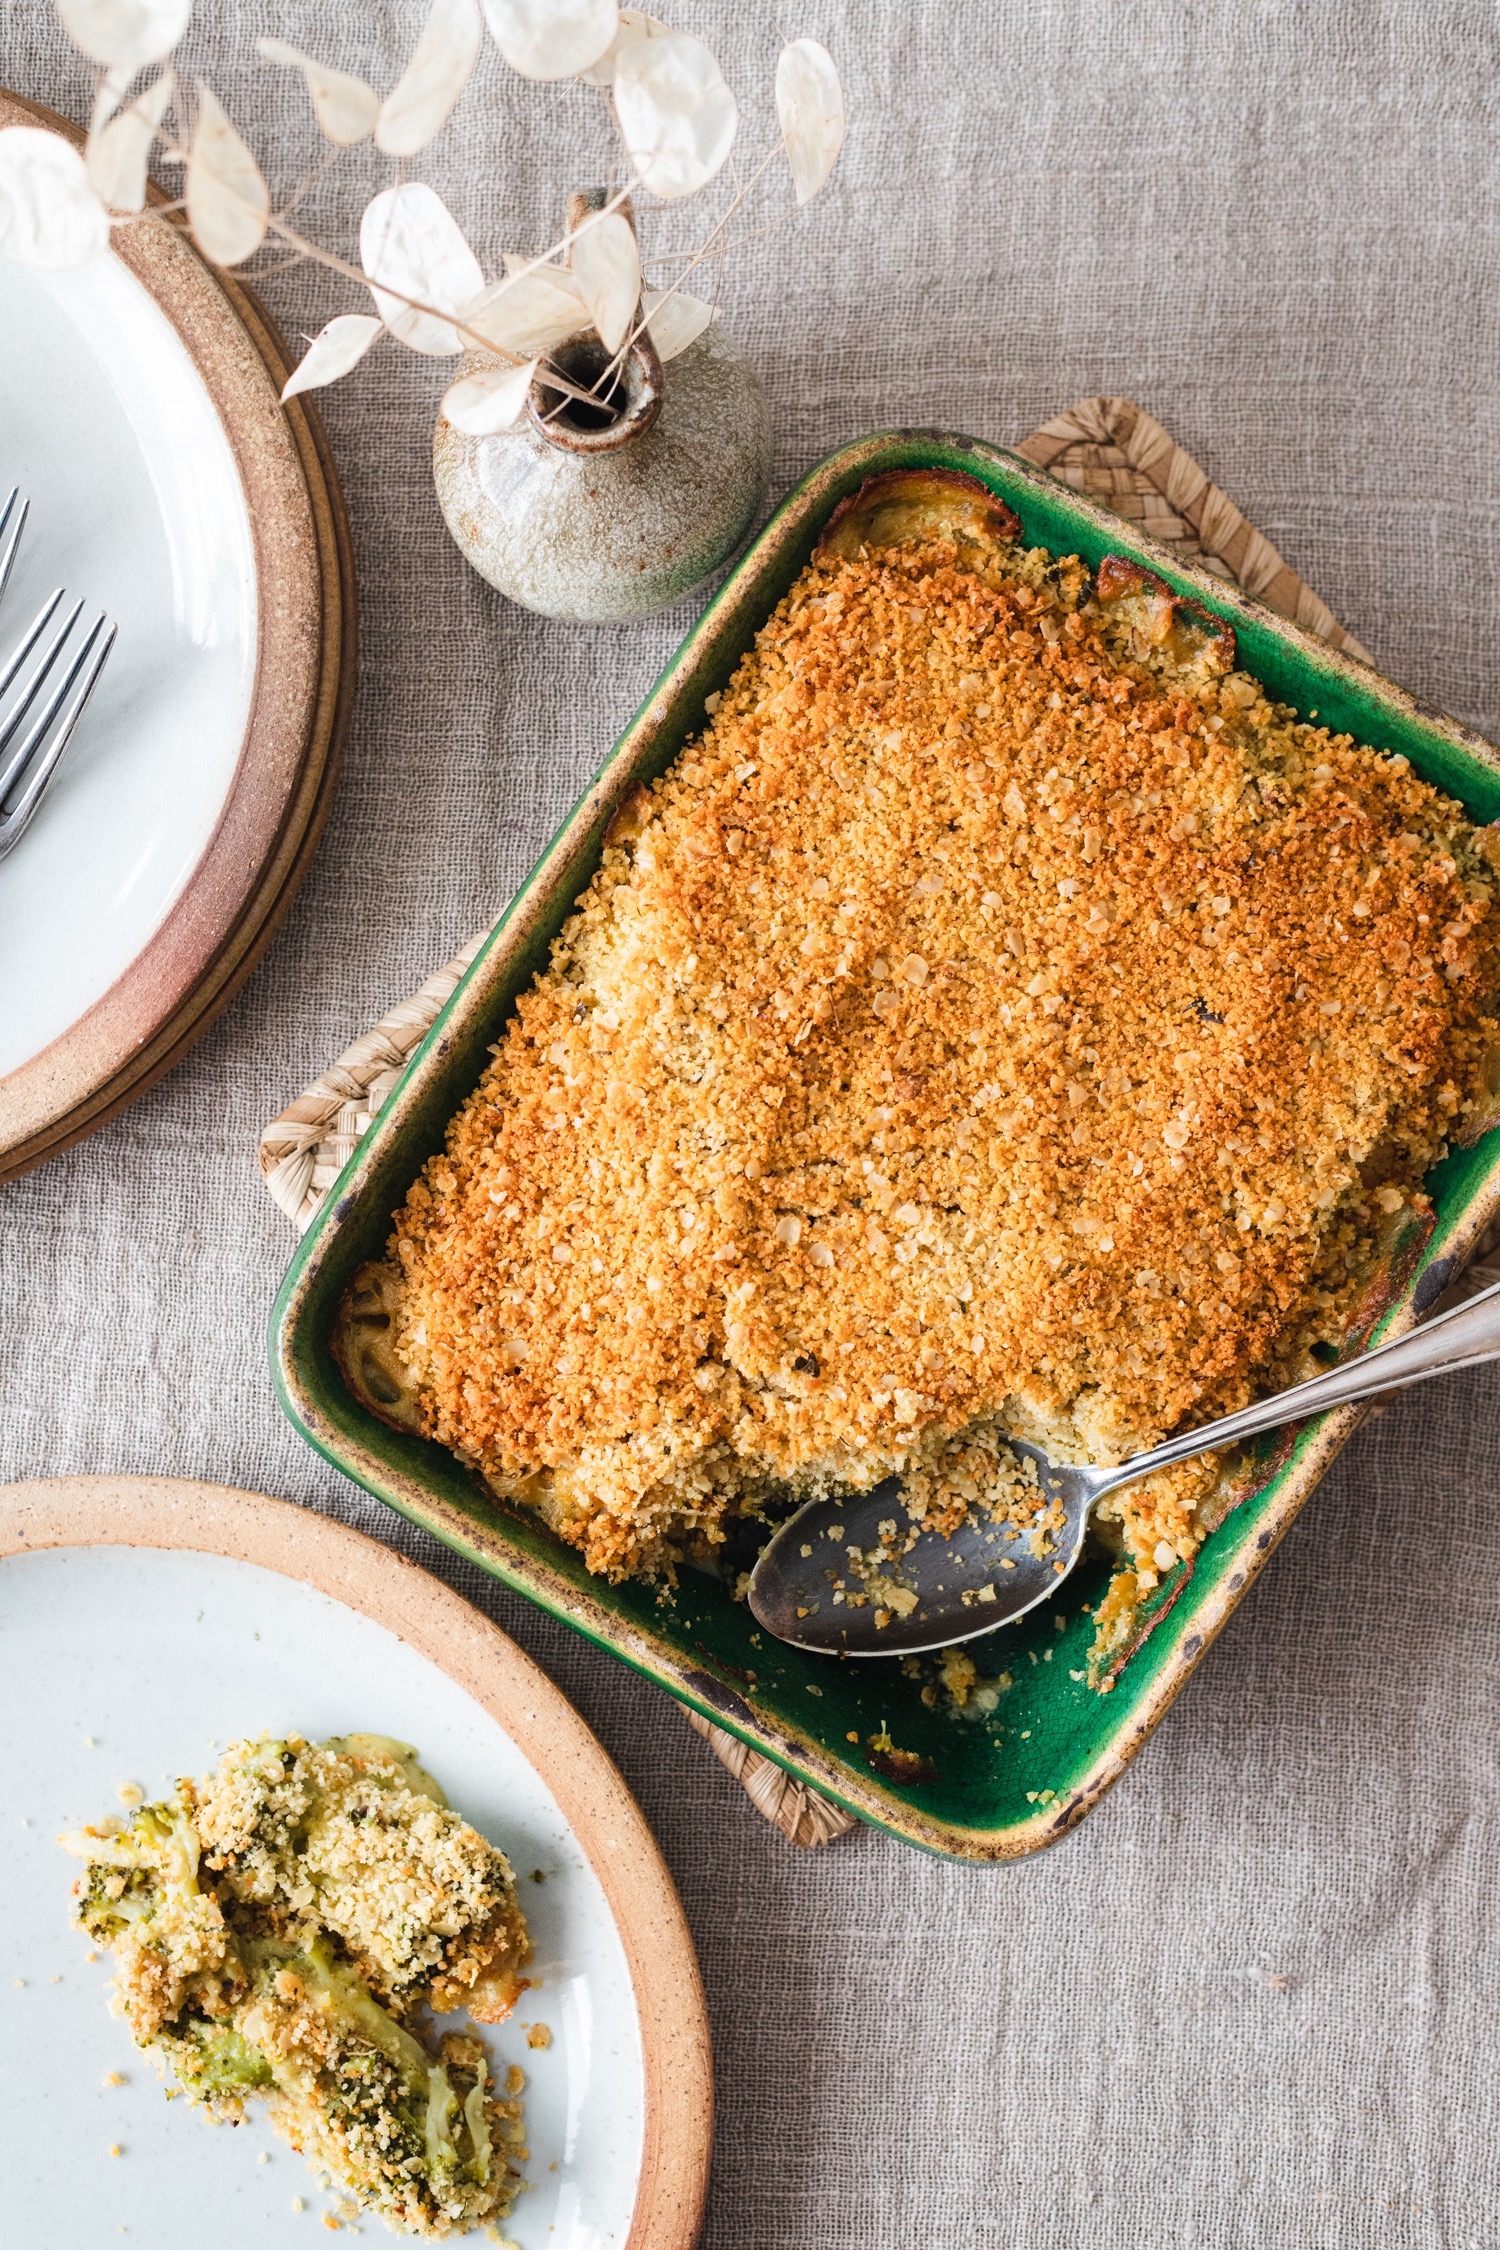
{"type": "Point", "coordinates": [137, 505]}
{"type": "Point", "coordinates": [140, 410]}
{"type": "Point", "coordinates": [127, 1664]}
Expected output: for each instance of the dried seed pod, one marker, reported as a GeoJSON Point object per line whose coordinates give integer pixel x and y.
{"type": "Point", "coordinates": [228, 202]}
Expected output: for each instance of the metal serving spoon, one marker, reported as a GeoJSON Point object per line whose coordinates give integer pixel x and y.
{"type": "Point", "coordinates": [986, 1575]}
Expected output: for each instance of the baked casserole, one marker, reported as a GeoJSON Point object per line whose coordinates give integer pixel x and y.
{"type": "Point", "coordinates": [1003, 1018]}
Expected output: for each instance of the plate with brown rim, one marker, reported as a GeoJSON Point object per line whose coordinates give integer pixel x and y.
{"type": "Point", "coordinates": [139, 400]}
{"type": "Point", "coordinates": [170, 1618]}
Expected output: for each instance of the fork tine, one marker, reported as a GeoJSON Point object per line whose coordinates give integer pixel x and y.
{"type": "Point", "coordinates": [31, 636]}
{"type": "Point", "coordinates": [16, 709]}
{"type": "Point", "coordinates": [12, 523]}
{"type": "Point", "coordinates": [64, 707]}
{"type": "Point", "coordinates": [13, 765]}
{"type": "Point", "coordinates": [46, 712]}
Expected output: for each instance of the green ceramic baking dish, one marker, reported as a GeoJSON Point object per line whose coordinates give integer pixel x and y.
{"type": "Point", "coordinates": [989, 1788]}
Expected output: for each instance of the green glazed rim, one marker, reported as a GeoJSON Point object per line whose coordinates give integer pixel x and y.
{"type": "Point", "coordinates": [1001, 1785]}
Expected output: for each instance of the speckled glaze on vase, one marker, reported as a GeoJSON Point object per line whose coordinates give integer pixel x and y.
{"type": "Point", "coordinates": [602, 526]}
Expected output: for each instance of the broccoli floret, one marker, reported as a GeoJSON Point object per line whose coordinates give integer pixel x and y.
{"type": "Point", "coordinates": [140, 1872]}
{"type": "Point", "coordinates": [215, 2064]}
{"type": "Point", "coordinates": [141, 1896]}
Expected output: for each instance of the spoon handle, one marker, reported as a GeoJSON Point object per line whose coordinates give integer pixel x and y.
{"type": "Point", "coordinates": [1464, 1337]}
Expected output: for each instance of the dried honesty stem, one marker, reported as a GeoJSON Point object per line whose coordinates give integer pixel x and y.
{"type": "Point", "coordinates": [529, 311]}
{"type": "Point", "coordinates": [124, 34]}
{"type": "Point", "coordinates": [677, 117]}
{"type": "Point", "coordinates": [677, 122]}
{"type": "Point", "coordinates": [673, 322]}
{"type": "Point", "coordinates": [536, 308]}
{"type": "Point", "coordinates": [414, 253]}
{"type": "Point", "coordinates": [634, 23]}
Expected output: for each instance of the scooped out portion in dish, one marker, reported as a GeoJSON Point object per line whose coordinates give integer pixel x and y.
{"type": "Point", "coordinates": [280, 1929]}
{"type": "Point", "coordinates": [1005, 1017]}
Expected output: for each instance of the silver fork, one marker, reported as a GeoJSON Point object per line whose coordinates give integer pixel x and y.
{"type": "Point", "coordinates": [58, 670]}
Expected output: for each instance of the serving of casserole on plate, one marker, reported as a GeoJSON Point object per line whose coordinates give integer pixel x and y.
{"type": "Point", "coordinates": [1030, 1001]}
{"type": "Point", "coordinates": [176, 1623]}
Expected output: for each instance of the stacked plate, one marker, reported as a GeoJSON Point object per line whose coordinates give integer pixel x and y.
{"type": "Point", "coordinates": [139, 414]}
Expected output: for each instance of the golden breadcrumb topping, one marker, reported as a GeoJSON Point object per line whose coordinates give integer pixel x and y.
{"type": "Point", "coordinates": [337, 1835]}
{"type": "Point", "coordinates": [1004, 1017]}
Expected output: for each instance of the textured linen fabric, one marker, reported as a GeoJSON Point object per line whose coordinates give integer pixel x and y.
{"type": "Point", "coordinates": [1252, 2001]}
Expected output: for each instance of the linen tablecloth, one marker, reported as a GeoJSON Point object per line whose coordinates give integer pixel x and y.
{"type": "Point", "coordinates": [1252, 2001]}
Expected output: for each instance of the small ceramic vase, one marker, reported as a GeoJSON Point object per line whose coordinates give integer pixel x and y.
{"type": "Point", "coordinates": [603, 513]}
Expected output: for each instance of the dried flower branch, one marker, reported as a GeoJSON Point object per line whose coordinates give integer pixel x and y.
{"type": "Point", "coordinates": [410, 241]}
{"type": "Point", "coordinates": [50, 216]}
{"type": "Point", "coordinates": [677, 117]}
{"type": "Point", "coordinates": [677, 122]}
{"type": "Point", "coordinates": [490, 400]}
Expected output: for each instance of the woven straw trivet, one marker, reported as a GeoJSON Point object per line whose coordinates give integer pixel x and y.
{"type": "Point", "coordinates": [1119, 455]}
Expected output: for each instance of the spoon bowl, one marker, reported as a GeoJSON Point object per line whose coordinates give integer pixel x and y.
{"type": "Point", "coordinates": [829, 1581]}
{"type": "Point", "coordinates": [850, 1577]}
